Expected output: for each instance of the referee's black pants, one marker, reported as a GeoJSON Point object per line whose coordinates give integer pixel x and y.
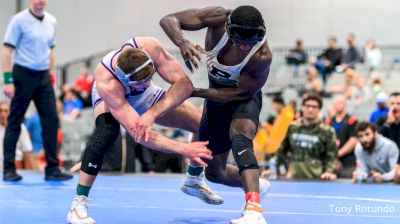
{"type": "Point", "coordinates": [36, 86]}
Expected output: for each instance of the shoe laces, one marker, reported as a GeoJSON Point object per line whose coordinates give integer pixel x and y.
{"type": "Point", "coordinates": [80, 206]}
{"type": "Point", "coordinates": [199, 181]}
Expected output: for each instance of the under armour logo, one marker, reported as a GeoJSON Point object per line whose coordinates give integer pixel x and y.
{"type": "Point", "coordinates": [241, 152]}
{"type": "Point", "coordinates": [92, 165]}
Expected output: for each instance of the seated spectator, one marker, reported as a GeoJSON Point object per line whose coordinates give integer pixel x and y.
{"type": "Point", "coordinates": [352, 56]}
{"type": "Point", "coordinates": [23, 151]}
{"type": "Point", "coordinates": [372, 55]}
{"type": "Point", "coordinates": [382, 108]}
{"type": "Point", "coordinates": [311, 143]}
{"type": "Point", "coordinates": [83, 85]}
{"type": "Point", "coordinates": [376, 156]}
{"type": "Point", "coordinates": [377, 85]}
{"type": "Point", "coordinates": [344, 125]}
{"type": "Point", "coordinates": [296, 57]}
{"type": "Point", "coordinates": [72, 106]}
{"type": "Point", "coordinates": [328, 60]}
{"type": "Point", "coordinates": [353, 87]}
{"type": "Point", "coordinates": [389, 125]}
{"type": "Point", "coordinates": [313, 84]}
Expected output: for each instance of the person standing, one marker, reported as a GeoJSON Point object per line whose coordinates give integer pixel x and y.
{"type": "Point", "coordinates": [31, 37]}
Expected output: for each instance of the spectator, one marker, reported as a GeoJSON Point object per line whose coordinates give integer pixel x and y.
{"type": "Point", "coordinates": [313, 84]}
{"type": "Point", "coordinates": [344, 125]}
{"type": "Point", "coordinates": [329, 59]}
{"type": "Point", "coordinates": [390, 124]}
{"type": "Point", "coordinates": [376, 85]}
{"type": "Point", "coordinates": [284, 117]}
{"type": "Point", "coordinates": [376, 155]}
{"type": "Point", "coordinates": [296, 57]}
{"type": "Point", "coordinates": [372, 55]}
{"type": "Point", "coordinates": [72, 106]}
{"type": "Point", "coordinates": [23, 155]}
{"type": "Point", "coordinates": [353, 87]}
{"type": "Point", "coordinates": [83, 85]}
{"type": "Point", "coordinates": [311, 144]}
{"type": "Point", "coordinates": [352, 55]}
{"type": "Point", "coordinates": [382, 107]}
{"type": "Point", "coordinates": [29, 44]}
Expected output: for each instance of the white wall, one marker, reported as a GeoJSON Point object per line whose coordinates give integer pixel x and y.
{"type": "Point", "coordinates": [90, 26]}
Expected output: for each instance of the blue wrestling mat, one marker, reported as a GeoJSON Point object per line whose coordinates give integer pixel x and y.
{"type": "Point", "coordinates": [157, 199]}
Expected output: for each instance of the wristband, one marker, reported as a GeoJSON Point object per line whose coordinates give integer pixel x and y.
{"type": "Point", "coordinates": [7, 78]}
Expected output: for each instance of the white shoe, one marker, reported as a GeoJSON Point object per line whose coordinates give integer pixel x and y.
{"type": "Point", "coordinates": [252, 215]}
{"type": "Point", "coordinates": [197, 187]}
{"type": "Point", "coordinates": [265, 185]}
{"type": "Point", "coordinates": [79, 213]}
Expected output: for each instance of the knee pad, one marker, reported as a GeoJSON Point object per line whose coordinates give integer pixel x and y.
{"type": "Point", "coordinates": [105, 133]}
{"type": "Point", "coordinates": [242, 149]}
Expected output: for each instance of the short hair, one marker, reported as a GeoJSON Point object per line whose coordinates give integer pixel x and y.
{"type": "Point", "coordinates": [247, 15]}
{"type": "Point", "coordinates": [312, 96]}
{"type": "Point", "coordinates": [132, 58]}
{"type": "Point", "coordinates": [362, 126]}
{"type": "Point", "coordinates": [394, 94]}
{"type": "Point", "coordinates": [4, 103]}
{"type": "Point", "coordinates": [278, 100]}
{"type": "Point", "coordinates": [333, 38]}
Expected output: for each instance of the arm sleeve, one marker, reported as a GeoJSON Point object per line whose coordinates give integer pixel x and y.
{"type": "Point", "coordinates": [53, 38]}
{"type": "Point", "coordinates": [13, 33]}
{"type": "Point", "coordinates": [283, 149]}
{"type": "Point", "coordinates": [393, 158]}
{"type": "Point", "coordinates": [331, 151]}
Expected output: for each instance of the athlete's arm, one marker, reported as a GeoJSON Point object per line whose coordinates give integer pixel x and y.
{"type": "Point", "coordinates": [192, 19]}
{"type": "Point", "coordinates": [113, 94]}
{"type": "Point", "coordinates": [172, 72]}
{"type": "Point", "coordinates": [250, 82]}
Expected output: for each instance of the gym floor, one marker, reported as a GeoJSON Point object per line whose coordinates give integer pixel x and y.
{"type": "Point", "coordinates": [140, 199]}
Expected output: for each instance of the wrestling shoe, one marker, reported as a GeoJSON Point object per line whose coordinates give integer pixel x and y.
{"type": "Point", "coordinates": [79, 213]}
{"type": "Point", "coordinates": [253, 214]}
{"type": "Point", "coordinates": [197, 187]}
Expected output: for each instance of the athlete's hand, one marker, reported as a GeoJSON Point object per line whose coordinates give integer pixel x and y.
{"type": "Point", "coordinates": [197, 150]}
{"type": "Point", "coordinates": [9, 90]}
{"type": "Point", "coordinates": [189, 52]}
{"type": "Point", "coordinates": [142, 127]}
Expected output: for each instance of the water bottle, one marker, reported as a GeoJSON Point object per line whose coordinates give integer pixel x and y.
{"type": "Point", "coordinates": [273, 174]}
{"type": "Point", "coordinates": [361, 176]}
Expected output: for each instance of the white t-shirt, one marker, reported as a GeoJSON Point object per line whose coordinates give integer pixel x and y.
{"type": "Point", "coordinates": [24, 144]}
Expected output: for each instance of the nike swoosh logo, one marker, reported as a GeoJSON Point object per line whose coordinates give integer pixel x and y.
{"type": "Point", "coordinates": [241, 152]}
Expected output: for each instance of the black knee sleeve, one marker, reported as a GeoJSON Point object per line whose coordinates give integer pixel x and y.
{"type": "Point", "coordinates": [242, 149]}
{"type": "Point", "coordinates": [103, 137]}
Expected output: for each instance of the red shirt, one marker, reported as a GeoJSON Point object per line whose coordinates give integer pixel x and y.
{"type": "Point", "coordinates": [84, 84]}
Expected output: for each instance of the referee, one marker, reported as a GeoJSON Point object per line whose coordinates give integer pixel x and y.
{"type": "Point", "coordinates": [31, 36]}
